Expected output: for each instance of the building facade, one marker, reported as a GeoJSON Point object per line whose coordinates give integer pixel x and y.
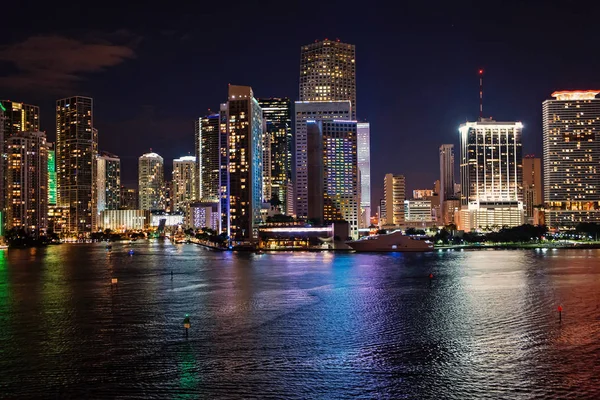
{"type": "Point", "coordinates": [277, 115]}
{"type": "Point", "coordinates": [108, 181]}
{"type": "Point", "coordinates": [52, 195]}
{"type": "Point", "coordinates": [151, 182]}
{"type": "Point", "coordinates": [571, 144]}
{"type": "Point", "coordinates": [27, 178]}
{"type": "Point", "coordinates": [394, 193]}
{"type": "Point", "coordinates": [203, 215]}
{"type": "Point", "coordinates": [184, 179]}
{"type": "Point", "coordinates": [207, 157]}
{"type": "Point", "coordinates": [418, 211]}
{"type": "Point", "coordinates": [532, 185]}
{"type": "Point", "coordinates": [491, 170]}
{"type": "Point", "coordinates": [309, 112]}
{"type": "Point", "coordinates": [76, 149]}
{"type": "Point", "coordinates": [129, 199]}
{"type": "Point", "coordinates": [244, 130]}
{"type": "Point", "coordinates": [124, 220]}
{"type": "Point", "coordinates": [328, 72]}
{"type": "Point", "coordinates": [446, 172]}
{"type": "Point", "coordinates": [363, 130]}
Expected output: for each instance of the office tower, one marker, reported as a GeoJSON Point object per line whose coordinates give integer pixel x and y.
{"type": "Point", "coordinates": [532, 185]}
{"type": "Point", "coordinates": [277, 114]}
{"type": "Point", "coordinates": [76, 149]}
{"type": "Point", "coordinates": [244, 131]}
{"type": "Point", "coordinates": [418, 211]}
{"type": "Point", "coordinates": [311, 111]}
{"type": "Point", "coordinates": [571, 122]}
{"type": "Point", "coordinates": [364, 167]}
{"type": "Point", "coordinates": [184, 179]}
{"type": "Point", "coordinates": [446, 172]}
{"type": "Point", "coordinates": [266, 163]}
{"type": "Point", "coordinates": [491, 170]}
{"type": "Point", "coordinates": [207, 157]}
{"type": "Point", "coordinates": [224, 225]}
{"type": "Point", "coordinates": [27, 178]}
{"type": "Point", "coordinates": [19, 117]}
{"type": "Point", "coordinates": [332, 172]}
{"type": "Point", "coordinates": [328, 72]}
{"type": "Point", "coordinates": [394, 194]}
{"type": "Point", "coordinates": [422, 193]}
{"type": "Point", "coordinates": [151, 182]}
{"type": "Point", "coordinates": [108, 181]}
{"type": "Point", "coordinates": [129, 199]}
{"type": "Point", "coordinates": [52, 195]}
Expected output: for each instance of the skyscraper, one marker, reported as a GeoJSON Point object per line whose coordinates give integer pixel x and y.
{"type": "Point", "coordinates": [129, 199]}
{"type": "Point", "coordinates": [394, 193]}
{"type": "Point", "coordinates": [266, 163]}
{"type": "Point", "coordinates": [491, 170]}
{"type": "Point", "coordinates": [328, 72]}
{"type": "Point", "coordinates": [76, 149]}
{"type": "Point", "coordinates": [151, 182]}
{"type": "Point", "coordinates": [244, 129]}
{"type": "Point", "coordinates": [108, 181]}
{"type": "Point", "coordinates": [307, 112]}
{"type": "Point", "coordinates": [27, 173]}
{"type": "Point", "coordinates": [571, 125]}
{"type": "Point", "coordinates": [184, 178]}
{"type": "Point", "coordinates": [52, 195]}
{"type": "Point", "coordinates": [277, 114]}
{"type": "Point", "coordinates": [207, 157]}
{"type": "Point", "coordinates": [532, 185]}
{"type": "Point", "coordinates": [364, 166]}
{"type": "Point", "coordinates": [446, 172]}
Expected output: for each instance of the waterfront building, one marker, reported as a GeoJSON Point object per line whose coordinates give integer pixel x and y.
{"type": "Point", "coordinates": [242, 117]}
{"type": "Point", "coordinates": [124, 220]}
{"type": "Point", "coordinates": [58, 219]}
{"type": "Point", "coordinates": [266, 163]}
{"type": "Point", "coordinates": [382, 213]}
{"type": "Point", "coordinates": [207, 157]}
{"type": "Point", "coordinates": [108, 181]}
{"type": "Point", "coordinates": [224, 226]}
{"type": "Point", "coordinates": [394, 193]}
{"type": "Point", "coordinates": [27, 182]}
{"type": "Point", "coordinates": [532, 185]}
{"type": "Point", "coordinates": [76, 149]}
{"type": "Point", "coordinates": [151, 182]}
{"type": "Point", "coordinates": [277, 116]}
{"type": "Point", "coordinates": [417, 211]}
{"type": "Point", "coordinates": [129, 198]}
{"type": "Point", "coordinates": [52, 195]}
{"type": "Point", "coordinates": [363, 133]}
{"type": "Point", "coordinates": [571, 123]}
{"type": "Point", "coordinates": [170, 220]}
{"type": "Point", "coordinates": [491, 174]}
{"type": "Point", "coordinates": [184, 179]}
{"type": "Point", "coordinates": [328, 72]}
{"type": "Point", "coordinates": [446, 172]}
{"type": "Point", "coordinates": [203, 215]}
{"type": "Point", "coordinates": [310, 112]}
{"type": "Point", "coordinates": [450, 211]}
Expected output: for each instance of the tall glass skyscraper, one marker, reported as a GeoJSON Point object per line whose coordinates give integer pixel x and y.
{"type": "Point", "coordinates": [76, 149]}
{"type": "Point", "coordinates": [277, 114]}
{"type": "Point", "coordinates": [151, 182]}
{"type": "Point", "coordinates": [244, 130]}
{"type": "Point", "coordinates": [52, 196]}
{"type": "Point", "coordinates": [363, 134]}
{"type": "Point", "coordinates": [571, 143]}
{"type": "Point", "coordinates": [328, 72]}
{"type": "Point", "coordinates": [207, 157]}
{"type": "Point", "coordinates": [184, 177]}
{"type": "Point", "coordinates": [108, 181]}
{"type": "Point", "coordinates": [491, 169]}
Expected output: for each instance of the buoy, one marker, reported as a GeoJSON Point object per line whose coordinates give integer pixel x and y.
{"type": "Point", "coordinates": [186, 324]}
{"type": "Point", "coordinates": [560, 313]}
{"type": "Point", "coordinates": [130, 252]}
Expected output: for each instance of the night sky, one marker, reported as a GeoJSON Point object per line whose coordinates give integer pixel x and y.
{"type": "Point", "coordinates": [152, 70]}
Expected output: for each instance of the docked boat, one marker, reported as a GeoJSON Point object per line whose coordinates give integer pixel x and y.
{"type": "Point", "coordinates": [395, 241]}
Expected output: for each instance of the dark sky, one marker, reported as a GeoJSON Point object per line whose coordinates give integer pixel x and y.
{"type": "Point", "coordinates": [152, 69]}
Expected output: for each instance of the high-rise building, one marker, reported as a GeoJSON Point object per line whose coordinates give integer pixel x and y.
{"type": "Point", "coordinates": [382, 213]}
{"type": "Point", "coordinates": [151, 182]}
{"type": "Point", "coordinates": [207, 157]}
{"type": "Point", "coordinates": [364, 167]}
{"type": "Point", "coordinates": [52, 195]}
{"type": "Point", "coordinates": [532, 185]}
{"type": "Point", "coordinates": [277, 114]}
{"type": "Point", "coordinates": [76, 149]}
{"type": "Point", "coordinates": [307, 112]}
{"type": "Point", "coordinates": [418, 211]}
{"type": "Point", "coordinates": [224, 226]}
{"type": "Point", "coordinates": [27, 178]}
{"type": "Point", "coordinates": [14, 118]}
{"type": "Point", "coordinates": [571, 125]}
{"type": "Point", "coordinates": [266, 163]}
{"type": "Point", "coordinates": [129, 199]}
{"type": "Point", "coordinates": [108, 181]}
{"type": "Point", "coordinates": [491, 170]}
{"type": "Point", "coordinates": [244, 133]}
{"type": "Point", "coordinates": [446, 172]}
{"type": "Point", "coordinates": [184, 178]}
{"type": "Point", "coordinates": [328, 72]}
{"type": "Point", "coordinates": [394, 193]}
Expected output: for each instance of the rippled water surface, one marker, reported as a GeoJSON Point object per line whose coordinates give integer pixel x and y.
{"type": "Point", "coordinates": [298, 325]}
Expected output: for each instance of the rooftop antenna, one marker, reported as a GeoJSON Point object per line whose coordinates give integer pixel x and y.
{"type": "Point", "coordinates": [481, 95]}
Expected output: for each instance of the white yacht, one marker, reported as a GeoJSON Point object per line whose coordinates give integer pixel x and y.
{"type": "Point", "coordinates": [394, 241]}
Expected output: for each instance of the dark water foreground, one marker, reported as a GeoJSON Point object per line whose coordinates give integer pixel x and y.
{"type": "Point", "coordinates": [298, 325]}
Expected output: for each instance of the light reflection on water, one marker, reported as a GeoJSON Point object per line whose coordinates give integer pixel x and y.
{"type": "Point", "coordinates": [298, 325]}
